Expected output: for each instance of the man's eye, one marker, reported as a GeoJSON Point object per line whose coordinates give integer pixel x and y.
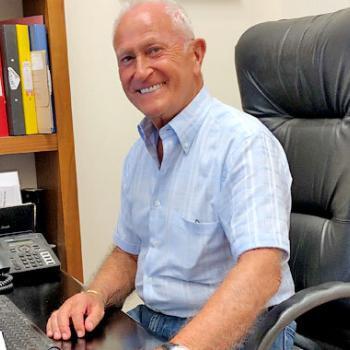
{"type": "Point", "coordinates": [126, 59]}
{"type": "Point", "coordinates": [154, 50]}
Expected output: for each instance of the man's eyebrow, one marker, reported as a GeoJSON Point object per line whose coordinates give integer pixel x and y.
{"type": "Point", "coordinates": [143, 46]}
{"type": "Point", "coordinates": [123, 52]}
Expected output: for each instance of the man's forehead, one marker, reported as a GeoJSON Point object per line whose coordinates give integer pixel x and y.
{"type": "Point", "coordinates": [146, 25]}
{"type": "Point", "coordinates": [146, 13]}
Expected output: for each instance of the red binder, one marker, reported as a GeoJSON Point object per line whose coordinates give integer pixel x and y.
{"type": "Point", "coordinates": [4, 130]}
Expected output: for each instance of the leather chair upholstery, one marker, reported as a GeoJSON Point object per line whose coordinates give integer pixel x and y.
{"type": "Point", "coordinates": [294, 75]}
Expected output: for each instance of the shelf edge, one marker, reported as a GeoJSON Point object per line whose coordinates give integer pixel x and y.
{"type": "Point", "coordinates": [28, 144]}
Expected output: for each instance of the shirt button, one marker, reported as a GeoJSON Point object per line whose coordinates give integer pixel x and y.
{"type": "Point", "coordinates": [156, 203]}
{"type": "Point", "coordinates": [155, 243]}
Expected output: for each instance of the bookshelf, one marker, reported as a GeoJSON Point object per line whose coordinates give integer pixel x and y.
{"type": "Point", "coordinates": [54, 154]}
{"type": "Point", "coordinates": [28, 144]}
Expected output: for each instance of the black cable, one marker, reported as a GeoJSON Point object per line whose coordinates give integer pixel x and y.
{"type": "Point", "coordinates": [5, 282]}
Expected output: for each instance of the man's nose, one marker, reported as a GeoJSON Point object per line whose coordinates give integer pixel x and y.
{"type": "Point", "coordinates": [142, 69]}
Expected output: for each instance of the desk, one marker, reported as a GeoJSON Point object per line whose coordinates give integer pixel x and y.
{"type": "Point", "coordinates": [116, 332]}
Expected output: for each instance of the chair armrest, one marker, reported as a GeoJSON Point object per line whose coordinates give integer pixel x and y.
{"type": "Point", "coordinates": [283, 314]}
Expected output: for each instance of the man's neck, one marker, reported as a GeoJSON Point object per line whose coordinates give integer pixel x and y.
{"type": "Point", "coordinates": [160, 150]}
{"type": "Point", "coordinates": [159, 122]}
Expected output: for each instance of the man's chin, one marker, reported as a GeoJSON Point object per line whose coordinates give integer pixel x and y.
{"type": "Point", "coordinates": [151, 112]}
{"type": "Point", "coordinates": [157, 114]}
{"type": "Point", "coordinates": [159, 119]}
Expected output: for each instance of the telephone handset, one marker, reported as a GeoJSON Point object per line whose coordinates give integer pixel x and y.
{"type": "Point", "coordinates": [4, 262]}
{"type": "Point", "coordinates": [5, 277]}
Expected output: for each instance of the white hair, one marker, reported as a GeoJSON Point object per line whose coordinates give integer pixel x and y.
{"type": "Point", "coordinates": [175, 11]}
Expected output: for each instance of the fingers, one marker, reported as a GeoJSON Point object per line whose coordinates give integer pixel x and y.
{"type": "Point", "coordinates": [58, 324]}
{"type": "Point", "coordinates": [75, 309]}
{"type": "Point", "coordinates": [94, 316]}
{"type": "Point", "coordinates": [50, 326]}
{"type": "Point", "coordinates": [77, 318]}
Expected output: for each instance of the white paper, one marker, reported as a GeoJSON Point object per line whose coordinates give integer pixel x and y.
{"type": "Point", "coordinates": [37, 61]}
{"type": "Point", "coordinates": [2, 342]}
{"type": "Point", "coordinates": [49, 81]}
{"type": "Point", "coordinates": [10, 191]}
{"type": "Point", "coordinates": [27, 77]}
{"type": "Point", "coordinates": [14, 78]}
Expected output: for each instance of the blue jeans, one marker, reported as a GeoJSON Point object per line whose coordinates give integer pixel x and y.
{"type": "Point", "coordinates": [165, 327]}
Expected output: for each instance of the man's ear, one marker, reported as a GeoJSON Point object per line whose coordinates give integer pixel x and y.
{"type": "Point", "coordinates": [199, 48]}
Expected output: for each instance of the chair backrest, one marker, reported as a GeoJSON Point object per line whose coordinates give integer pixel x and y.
{"type": "Point", "coordinates": [294, 75]}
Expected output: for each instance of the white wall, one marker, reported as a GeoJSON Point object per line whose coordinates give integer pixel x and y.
{"type": "Point", "coordinates": [105, 122]}
{"type": "Point", "coordinates": [298, 8]}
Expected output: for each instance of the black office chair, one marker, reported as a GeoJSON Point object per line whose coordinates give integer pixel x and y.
{"type": "Point", "coordinates": [294, 75]}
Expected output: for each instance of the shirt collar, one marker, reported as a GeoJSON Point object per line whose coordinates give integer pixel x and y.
{"type": "Point", "coordinates": [185, 125]}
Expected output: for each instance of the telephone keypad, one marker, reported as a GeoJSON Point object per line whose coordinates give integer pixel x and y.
{"type": "Point", "coordinates": [33, 260]}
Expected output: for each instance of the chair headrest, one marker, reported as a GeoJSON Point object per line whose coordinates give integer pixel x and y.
{"type": "Point", "coordinates": [296, 67]}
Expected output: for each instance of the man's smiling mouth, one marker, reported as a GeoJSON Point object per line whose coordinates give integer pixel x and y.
{"type": "Point", "coordinates": [150, 89]}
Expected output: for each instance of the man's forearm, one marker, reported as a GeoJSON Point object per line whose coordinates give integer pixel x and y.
{"type": "Point", "coordinates": [115, 279]}
{"type": "Point", "coordinates": [227, 316]}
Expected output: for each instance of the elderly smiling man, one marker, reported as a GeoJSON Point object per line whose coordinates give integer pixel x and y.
{"type": "Point", "coordinates": [203, 229]}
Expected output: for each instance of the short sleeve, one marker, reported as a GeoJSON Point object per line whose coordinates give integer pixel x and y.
{"type": "Point", "coordinates": [255, 196]}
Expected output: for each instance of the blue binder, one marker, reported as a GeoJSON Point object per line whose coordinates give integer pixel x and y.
{"type": "Point", "coordinates": [38, 38]}
{"type": "Point", "coordinates": [38, 42]}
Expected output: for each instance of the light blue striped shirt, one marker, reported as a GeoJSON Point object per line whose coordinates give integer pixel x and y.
{"type": "Point", "coordinates": [223, 188]}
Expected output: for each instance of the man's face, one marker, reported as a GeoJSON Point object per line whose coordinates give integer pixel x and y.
{"type": "Point", "coordinates": [159, 73]}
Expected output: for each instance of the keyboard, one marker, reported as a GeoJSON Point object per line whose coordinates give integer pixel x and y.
{"type": "Point", "coordinates": [19, 332]}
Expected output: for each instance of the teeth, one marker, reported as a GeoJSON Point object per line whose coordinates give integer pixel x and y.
{"type": "Point", "coordinates": [150, 89]}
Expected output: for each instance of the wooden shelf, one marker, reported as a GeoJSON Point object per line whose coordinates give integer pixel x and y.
{"type": "Point", "coordinates": [54, 155]}
{"type": "Point", "coordinates": [28, 144]}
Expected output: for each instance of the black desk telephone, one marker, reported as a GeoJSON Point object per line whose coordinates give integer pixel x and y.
{"type": "Point", "coordinates": [21, 249]}
{"type": "Point", "coordinates": [28, 251]}
{"type": "Point", "coordinates": [25, 252]}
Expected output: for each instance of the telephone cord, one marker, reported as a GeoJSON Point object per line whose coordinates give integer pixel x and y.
{"type": "Point", "coordinates": [5, 282]}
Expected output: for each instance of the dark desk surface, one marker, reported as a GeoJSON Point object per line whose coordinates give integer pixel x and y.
{"type": "Point", "coordinates": [117, 331]}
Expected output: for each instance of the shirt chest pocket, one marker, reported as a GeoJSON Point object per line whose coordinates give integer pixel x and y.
{"type": "Point", "coordinates": [196, 250]}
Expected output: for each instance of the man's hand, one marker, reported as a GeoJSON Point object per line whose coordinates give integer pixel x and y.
{"type": "Point", "coordinates": [114, 281]}
{"type": "Point", "coordinates": [83, 310]}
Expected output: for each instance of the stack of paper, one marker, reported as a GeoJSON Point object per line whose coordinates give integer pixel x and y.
{"type": "Point", "coordinates": [10, 192]}
{"type": "Point", "coordinates": [2, 342]}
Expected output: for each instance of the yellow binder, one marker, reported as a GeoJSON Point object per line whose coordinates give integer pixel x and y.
{"type": "Point", "coordinates": [28, 96]}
